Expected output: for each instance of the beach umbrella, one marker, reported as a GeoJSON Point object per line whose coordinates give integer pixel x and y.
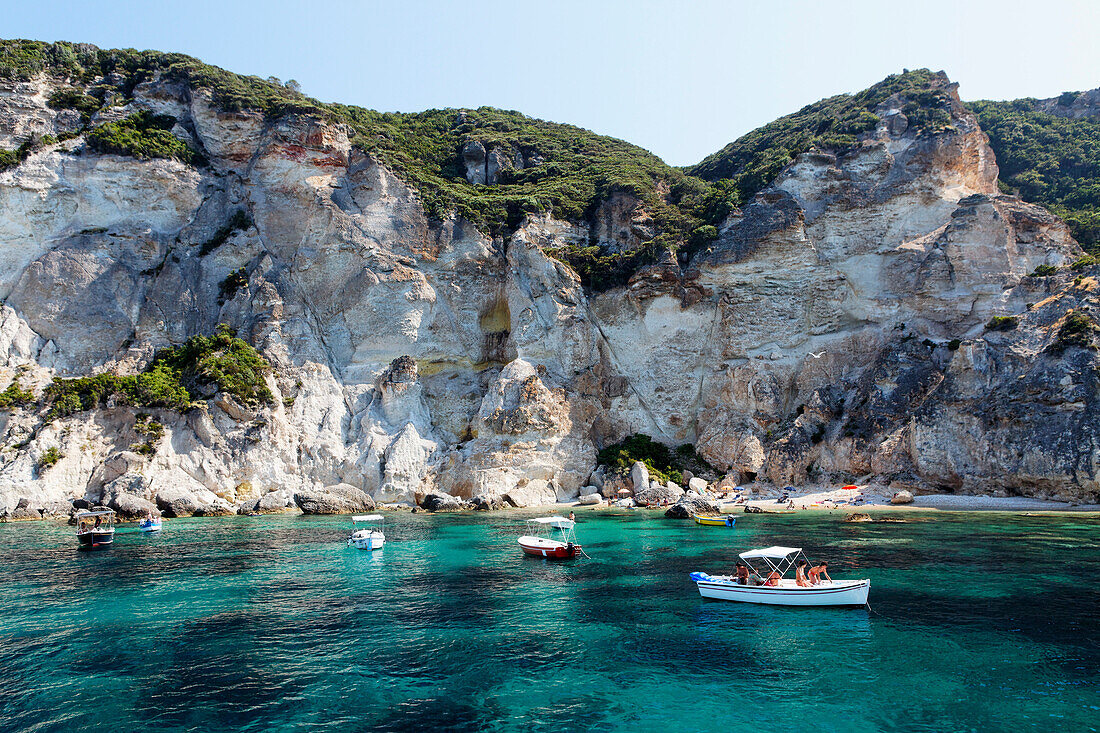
{"type": "Point", "coordinates": [624, 491]}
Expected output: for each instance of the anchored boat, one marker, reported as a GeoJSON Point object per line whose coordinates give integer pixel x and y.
{"type": "Point", "coordinates": [150, 525]}
{"type": "Point", "coordinates": [542, 541]}
{"type": "Point", "coordinates": [772, 563]}
{"type": "Point", "coordinates": [369, 536]}
{"type": "Point", "coordinates": [715, 520]}
{"type": "Point", "coordinates": [95, 530]}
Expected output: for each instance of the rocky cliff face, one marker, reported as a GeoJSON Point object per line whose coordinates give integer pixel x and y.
{"type": "Point", "coordinates": [836, 326]}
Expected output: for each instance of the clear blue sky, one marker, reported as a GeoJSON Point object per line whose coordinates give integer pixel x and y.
{"type": "Point", "coordinates": [679, 78]}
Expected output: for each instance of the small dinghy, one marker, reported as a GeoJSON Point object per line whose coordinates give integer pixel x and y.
{"type": "Point", "coordinates": [715, 520]}
{"type": "Point", "coordinates": [95, 530]}
{"type": "Point", "coordinates": [150, 524]}
{"type": "Point", "coordinates": [542, 541]}
{"type": "Point", "coordinates": [775, 590]}
{"type": "Point", "coordinates": [369, 536]}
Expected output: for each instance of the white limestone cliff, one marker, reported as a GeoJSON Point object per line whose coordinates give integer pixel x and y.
{"type": "Point", "coordinates": [413, 357]}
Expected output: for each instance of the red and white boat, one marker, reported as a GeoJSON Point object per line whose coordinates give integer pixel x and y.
{"type": "Point", "coordinates": [541, 539]}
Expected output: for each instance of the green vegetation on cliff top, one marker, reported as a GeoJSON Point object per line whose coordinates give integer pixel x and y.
{"type": "Point", "coordinates": [1049, 160]}
{"type": "Point", "coordinates": [752, 161]}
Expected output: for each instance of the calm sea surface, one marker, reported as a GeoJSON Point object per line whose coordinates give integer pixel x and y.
{"type": "Point", "coordinates": [979, 622]}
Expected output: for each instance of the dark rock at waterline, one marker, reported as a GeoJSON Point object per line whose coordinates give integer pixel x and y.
{"type": "Point", "coordinates": [441, 503]}
{"type": "Point", "coordinates": [485, 503]}
{"type": "Point", "coordinates": [857, 517]}
{"type": "Point", "coordinates": [335, 499]}
{"type": "Point", "coordinates": [684, 508]}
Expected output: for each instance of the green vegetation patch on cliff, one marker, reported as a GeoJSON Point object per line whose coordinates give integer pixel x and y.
{"type": "Point", "coordinates": [173, 380]}
{"type": "Point", "coordinates": [662, 462]}
{"type": "Point", "coordinates": [751, 162]}
{"type": "Point", "coordinates": [1049, 160]}
{"type": "Point", "coordinates": [143, 136]}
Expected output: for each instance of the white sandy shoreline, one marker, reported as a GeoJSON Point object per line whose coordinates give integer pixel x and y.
{"type": "Point", "coordinates": [867, 499]}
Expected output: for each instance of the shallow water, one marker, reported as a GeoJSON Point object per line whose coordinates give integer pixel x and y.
{"type": "Point", "coordinates": [980, 621]}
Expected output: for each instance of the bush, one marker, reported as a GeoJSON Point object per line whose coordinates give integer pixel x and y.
{"type": "Point", "coordinates": [50, 457]}
{"type": "Point", "coordinates": [1077, 330]}
{"type": "Point", "coordinates": [233, 282]}
{"type": "Point", "coordinates": [143, 136]}
{"type": "Point", "coordinates": [222, 360]}
{"type": "Point", "coordinates": [238, 222]}
{"type": "Point", "coordinates": [172, 380]}
{"type": "Point", "coordinates": [75, 98]}
{"type": "Point", "coordinates": [1044, 271]}
{"type": "Point", "coordinates": [1084, 263]}
{"type": "Point", "coordinates": [662, 462]}
{"type": "Point", "coordinates": [1002, 323]}
{"type": "Point", "coordinates": [15, 396]}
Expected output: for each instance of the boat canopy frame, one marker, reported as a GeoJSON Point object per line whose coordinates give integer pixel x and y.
{"type": "Point", "coordinates": [785, 558]}
{"type": "Point", "coordinates": [544, 526]}
{"type": "Point", "coordinates": [368, 520]}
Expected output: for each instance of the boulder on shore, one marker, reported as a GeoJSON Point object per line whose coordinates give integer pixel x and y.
{"type": "Point", "coordinates": [657, 495]}
{"type": "Point", "coordinates": [686, 506]}
{"type": "Point", "coordinates": [590, 500]}
{"type": "Point", "coordinates": [335, 499]}
{"type": "Point", "coordinates": [902, 497]}
{"type": "Point", "coordinates": [639, 474]}
{"type": "Point", "coordinates": [486, 502]}
{"type": "Point", "coordinates": [697, 485]}
{"type": "Point", "coordinates": [441, 503]}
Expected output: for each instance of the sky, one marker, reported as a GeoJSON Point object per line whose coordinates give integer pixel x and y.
{"type": "Point", "coordinates": [680, 79]}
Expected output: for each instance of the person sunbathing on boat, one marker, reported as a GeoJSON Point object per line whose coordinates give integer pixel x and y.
{"type": "Point", "coordinates": [742, 574]}
{"type": "Point", "coordinates": [819, 571]}
{"type": "Point", "coordinates": [800, 578]}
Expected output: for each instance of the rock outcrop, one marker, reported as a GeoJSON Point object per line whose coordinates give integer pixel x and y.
{"type": "Point", "coordinates": [837, 325]}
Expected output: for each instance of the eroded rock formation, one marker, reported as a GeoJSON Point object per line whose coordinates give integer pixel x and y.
{"type": "Point", "coordinates": [837, 324]}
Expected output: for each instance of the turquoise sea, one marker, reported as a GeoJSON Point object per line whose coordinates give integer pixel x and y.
{"type": "Point", "coordinates": [978, 622]}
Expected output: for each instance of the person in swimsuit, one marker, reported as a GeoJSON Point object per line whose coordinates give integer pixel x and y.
{"type": "Point", "coordinates": [773, 579]}
{"type": "Point", "coordinates": [818, 572]}
{"type": "Point", "coordinates": [800, 574]}
{"type": "Point", "coordinates": [742, 574]}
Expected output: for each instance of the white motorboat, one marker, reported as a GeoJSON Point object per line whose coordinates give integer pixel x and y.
{"type": "Point", "coordinates": [369, 536]}
{"type": "Point", "coordinates": [540, 542]}
{"type": "Point", "coordinates": [772, 563]}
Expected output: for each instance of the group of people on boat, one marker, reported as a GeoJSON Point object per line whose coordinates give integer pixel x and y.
{"type": "Point", "coordinates": [806, 575]}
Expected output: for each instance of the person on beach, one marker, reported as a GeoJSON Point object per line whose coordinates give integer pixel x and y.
{"type": "Point", "coordinates": [819, 571]}
{"type": "Point", "coordinates": [742, 574]}
{"type": "Point", "coordinates": [800, 578]}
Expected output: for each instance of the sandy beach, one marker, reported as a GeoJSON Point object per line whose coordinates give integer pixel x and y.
{"type": "Point", "coordinates": [876, 498]}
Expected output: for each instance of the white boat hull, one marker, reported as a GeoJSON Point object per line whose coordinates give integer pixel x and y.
{"type": "Point", "coordinates": [367, 540]}
{"type": "Point", "coordinates": [788, 593]}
